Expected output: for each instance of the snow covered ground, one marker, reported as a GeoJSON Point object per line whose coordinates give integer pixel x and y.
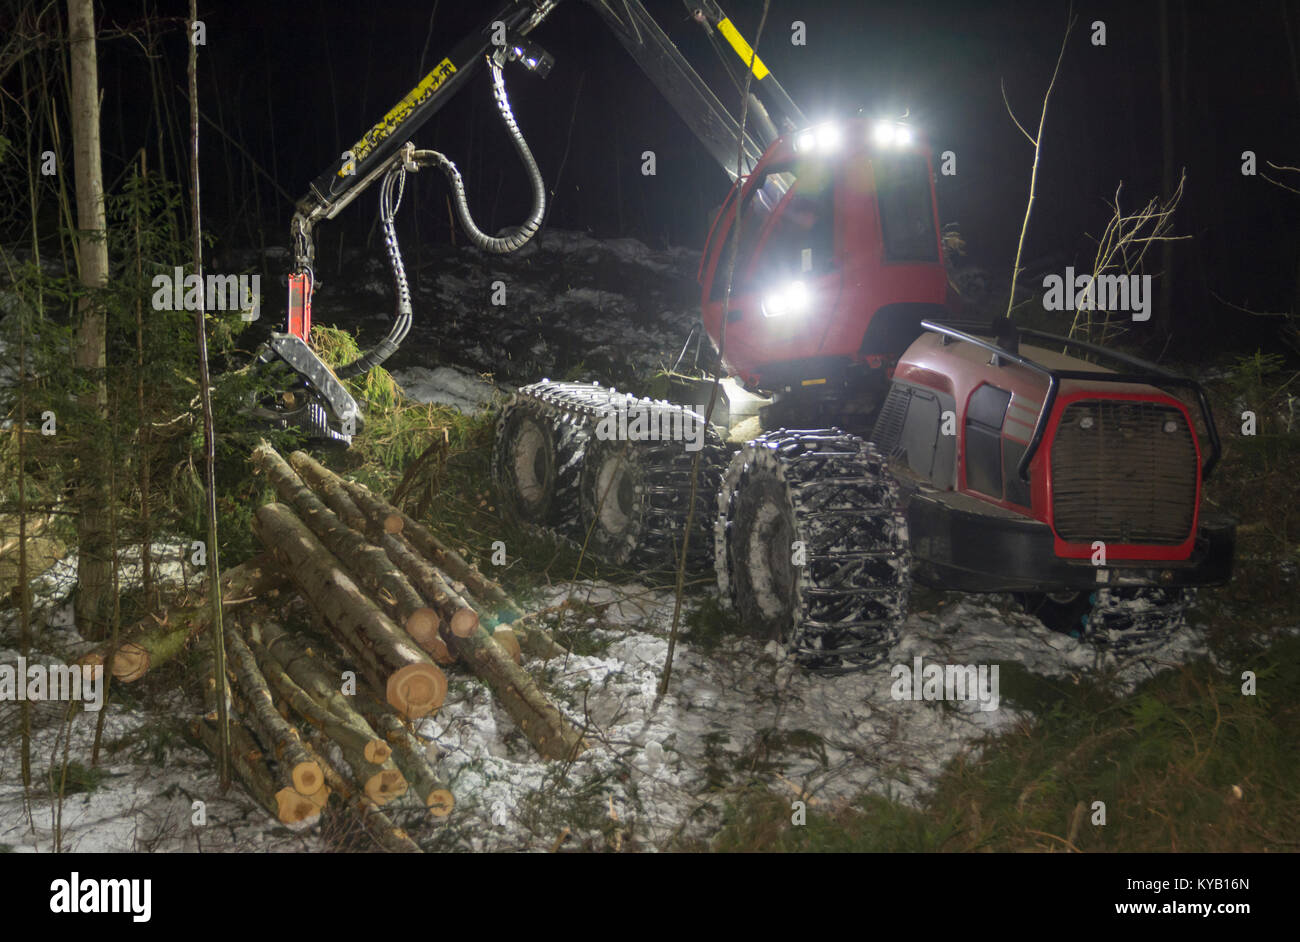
{"type": "Point", "coordinates": [738, 714]}
{"type": "Point", "coordinates": [742, 712]}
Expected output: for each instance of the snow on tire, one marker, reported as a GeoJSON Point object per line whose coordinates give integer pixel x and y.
{"type": "Point", "coordinates": [810, 546]}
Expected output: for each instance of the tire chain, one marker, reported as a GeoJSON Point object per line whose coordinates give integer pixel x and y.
{"type": "Point", "coordinates": [572, 411]}
{"type": "Point", "coordinates": [1136, 621]}
{"type": "Point", "coordinates": [851, 594]}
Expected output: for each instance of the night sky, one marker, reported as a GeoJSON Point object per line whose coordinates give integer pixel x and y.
{"type": "Point", "coordinates": [296, 83]}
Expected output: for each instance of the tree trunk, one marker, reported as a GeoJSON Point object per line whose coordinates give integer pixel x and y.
{"type": "Point", "coordinates": [412, 757]}
{"type": "Point", "coordinates": [152, 643]}
{"type": "Point", "coordinates": [538, 719]}
{"type": "Point", "coordinates": [412, 684]}
{"type": "Point", "coordinates": [378, 826]}
{"type": "Point", "coordinates": [94, 559]}
{"type": "Point", "coordinates": [426, 544]}
{"type": "Point", "coordinates": [304, 774]}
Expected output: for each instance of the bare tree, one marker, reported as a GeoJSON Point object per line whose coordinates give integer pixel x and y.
{"type": "Point", "coordinates": [94, 565]}
{"type": "Point", "coordinates": [1122, 249]}
{"type": "Point", "coordinates": [1036, 140]}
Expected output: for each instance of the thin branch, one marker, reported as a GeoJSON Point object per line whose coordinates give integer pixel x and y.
{"type": "Point", "coordinates": [1033, 176]}
{"type": "Point", "coordinates": [1003, 84]}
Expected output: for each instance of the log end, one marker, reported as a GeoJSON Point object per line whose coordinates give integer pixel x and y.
{"type": "Point", "coordinates": [293, 808]}
{"type": "Point", "coordinates": [321, 796]}
{"type": "Point", "coordinates": [393, 523]}
{"type": "Point", "coordinates": [509, 643]}
{"type": "Point", "coordinates": [377, 751]}
{"type": "Point", "coordinates": [416, 689]}
{"type": "Point", "coordinates": [130, 663]}
{"type": "Point", "coordinates": [464, 623]}
{"type": "Point", "coordinates": [422, 626]}
{"type": "Point", "coordinates": [440, 801]}
{"type": "Point", "coordinates": [307, 778]}
{"type": "Point", "coordinates": [384, 786]}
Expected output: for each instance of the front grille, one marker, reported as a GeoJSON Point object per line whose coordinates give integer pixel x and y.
{"type": "Point", "coordinates": [1125, 479]}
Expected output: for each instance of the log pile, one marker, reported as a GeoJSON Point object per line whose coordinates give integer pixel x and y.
{"type": "Point", "coordinates": [333, 714]}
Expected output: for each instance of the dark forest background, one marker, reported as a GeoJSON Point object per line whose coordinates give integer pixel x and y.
{"type": "Point", "coordinates": [286, 87]}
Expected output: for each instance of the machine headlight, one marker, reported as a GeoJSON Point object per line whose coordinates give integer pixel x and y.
{"type": "Point", "coordinates": [890, 134]}
{"type": "Point", "coordinates": [792, 298]}
{"type": "Point", "coordinates": [828, 138]}
{"type": "Point", "coordinates": [825, 139]}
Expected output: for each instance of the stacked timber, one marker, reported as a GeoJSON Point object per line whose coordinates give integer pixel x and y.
{"type": "Point", "coordinates": [332, 715]}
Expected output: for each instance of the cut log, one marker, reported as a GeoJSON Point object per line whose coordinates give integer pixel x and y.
{"type": "Point", "coordinates": [152, 642]}
{"type": "Point", "coordinates": [457, 614]}
{"type": "Point", "coordinates": [247, 761]}
{"type": "Point", "coordinates": [309, 689]}
{"type": "Point", "coordinates": [422, 539]}
{"type": "Point", "coordinates": [368, 563]}
{"type": "Point", "coordinates": [293, 807]}
{"type": "Point", "coordinates": [425, 578]}
{"type": "Point", "coordinates": [537, 642]}
{"type": "Point", "coordinates": [307, 777]}
{"type": "Point", "coordinates": [393, 662]}
{"type": "Point", "coordinates": [546, 727]}
{"type": "Point", "coordinates": [424, 631]}
{"type": "Point", "coordinates": [509, 643]}
{"type": "Point", "coordinates": [412, 757]}
{"type": "Point", "coordinates": [380, 828]}
{"type": "Point", "coordinates": [377, 512]}
{"type": "Point", "coordinates": [329, 485]}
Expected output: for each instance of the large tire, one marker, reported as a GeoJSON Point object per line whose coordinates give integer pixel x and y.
{"type": "Point", "coordinates": [811, 546]}
{"type": "Point", "coordinates": [535, 464]}
{"type": "Point", "coordinates": [635, 500]}
{"type": "Point", "coordinates": [1128, 621]}
{"type": "Point", "coordinates": [1135, 621]}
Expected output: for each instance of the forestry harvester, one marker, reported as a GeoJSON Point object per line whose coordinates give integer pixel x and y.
{"type": "Point", "coordinates": [900, 443]}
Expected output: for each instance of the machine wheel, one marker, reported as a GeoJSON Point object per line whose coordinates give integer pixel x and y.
{"type": "Point", "coordinates": [635, 498]}
{"type": "Point", "coordinates": [534, 466]}
{"type": "Point", "coordinates": [1134, 621]}
{"type": "Point", "coordinates": [810, 546]}
{"type": "Point", "coordinates": [1066, 612]}
{"type": "Point", "coordinates": [1129, 621]}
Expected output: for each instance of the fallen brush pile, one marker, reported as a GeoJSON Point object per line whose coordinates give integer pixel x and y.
{"type": "Point", "coordinates": [397, 607]}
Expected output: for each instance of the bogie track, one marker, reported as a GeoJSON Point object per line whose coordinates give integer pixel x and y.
{"type": "Point", "coordinates": [572, 460]}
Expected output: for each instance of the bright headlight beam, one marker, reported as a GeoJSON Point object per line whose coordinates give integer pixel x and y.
{"type": "Point", "coordinates": [828, 137]}
{"type": "Point", "coordinates": [792, 298]}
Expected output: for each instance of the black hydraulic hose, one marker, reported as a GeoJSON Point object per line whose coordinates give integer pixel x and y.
{"type": "Point", "coordinates": [516, 236]}
{"type": "Point", "coordinates": [390, 198]}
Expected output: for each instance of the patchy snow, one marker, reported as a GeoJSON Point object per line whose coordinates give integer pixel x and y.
{"type": "Point", "coordinates": [469, 393]}
{"type": "Point", "coordinates": [735, 715]}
